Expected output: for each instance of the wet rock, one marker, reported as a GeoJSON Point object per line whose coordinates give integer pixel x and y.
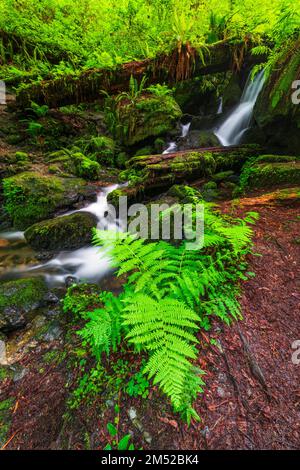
{"type": "Point", "coordinates": [153, 116]}
{"type": "Point", "coordinates": [18, 300]}
{"type": "Point", "coordinates": [31, 197]}
{"type": "Point", "coordinates": [54, 332]}
{"type": "Point", "coordinates": [68, 232]}
{"type": "Point", "coordinates": [19, 372]}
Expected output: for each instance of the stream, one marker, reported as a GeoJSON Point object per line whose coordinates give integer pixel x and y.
{"type": "Point", "coordinates": [88, 264]}
{"type": "Point", "coordinates": [91, 264]}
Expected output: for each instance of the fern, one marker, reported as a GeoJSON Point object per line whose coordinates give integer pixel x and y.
{"type": "Point", "coordinates": [165, 329]}
{"type": "Point", "coordinates": [103, 328]}
{"type": "Point", "coordinates": [171, 291]}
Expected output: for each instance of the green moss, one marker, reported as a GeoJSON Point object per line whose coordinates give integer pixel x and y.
{"type": "Point", "coordinates": [276, 159]}
{"type": "Point", "coordinates": [21, 156]}
{"type": "Point", "coordinates": [222, 175]}
{"type": "Point", "coordinates": [22, 293]}
{"type": "Point", "coordinates": [210, 185]}
{"type": "Point", "coordinates": [81, 298]}
{"type": "Point", "coordinates": [6, 407]}
{"type": "Point", "coordinates": [68, 232]}
{"type": "Point", "coordinates": [76, 164]}
{"type": "Point", "coordinates": [260, 175]}
{"type": "Point", "coordinates": [147, 116]}
{"type": "Point", "coordinates": [31, 197]}
{"type": "Point", "coordinates": [144, 151]}
{"type": "Point", "coordinates": [103, 148]}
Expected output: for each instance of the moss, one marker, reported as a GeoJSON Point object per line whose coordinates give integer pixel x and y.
{"type": "Point", "coordinates": [103, 148]}
{"type": "Point", "coordinates": [5, 373]}
{"type": "Point", "coordinates": [21, 157]}
{"type": "Point", "coordinates": [6, 407]}
{"type": "Point", "coordinates": [260, 175]}
{"type": "Point", "coordinates": [148, 116]}
{"type": "Point", "coordinates": [210, 185]}
{"type": "Point", "coordinates": [144, 151]}
{"type": "Point", "coordinates": [68, 232]}
{"type": "Point", "coordinates": [81, 298]}
{"type": "Point", "coordinates": [222, 175]}
{"type": "Point", "coordinates": [276, 159]}
{"type": "Point", "coordinates": [31, 197]}
{"type": "Point", "coordinates": [22, 293]}
{"type": "Point", "coordinates": [76, 164]}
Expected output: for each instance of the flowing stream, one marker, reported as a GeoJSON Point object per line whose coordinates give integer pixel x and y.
{"type": "Point", "coordinates": [89, 263]}
{"type": "Point", "coordinates": [232, 129]}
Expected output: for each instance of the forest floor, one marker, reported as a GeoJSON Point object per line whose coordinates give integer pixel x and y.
{"type": "Point", "coordinates": [252, 394]}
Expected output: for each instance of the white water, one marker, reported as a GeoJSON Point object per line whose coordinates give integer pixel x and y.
{"type": "Point", "coordinates": [89, 263]}
{"type": "Point", "coordinates": [171, 148]}
{"type": "Point", "coordinates": [220, 107]}
{"type": "Point", "coordinates": [232, 129]}
{"type": "Point", "coordinates": [185, 129]}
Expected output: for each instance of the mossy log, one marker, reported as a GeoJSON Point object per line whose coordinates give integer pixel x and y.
{"type": "Point", "coordinates": [160, 172]}
{"type": "Point", "coordinates": [165, 68]}
{"type": "Point", "coordinates": [164, 170]}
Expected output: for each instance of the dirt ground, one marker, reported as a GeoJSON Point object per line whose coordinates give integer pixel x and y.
{"type": "Point", "coordinates": [252, 394]}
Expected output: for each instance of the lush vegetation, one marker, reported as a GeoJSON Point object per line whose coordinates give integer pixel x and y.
{"type": "Point", "coordinates": [60, 36]}
{"type": "Point", "coordinates": [169, 294]}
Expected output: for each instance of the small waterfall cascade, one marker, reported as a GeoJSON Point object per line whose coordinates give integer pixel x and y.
{"type": "Point", "coordinates": [88, 263]}
{"type": "Point", "coordinates": [232, 129]}
{"type": "Point", "coordinates": [172, 147]}
{"type": "Point", "coordinates": [220, 106]}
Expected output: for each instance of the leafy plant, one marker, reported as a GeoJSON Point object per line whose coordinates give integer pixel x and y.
{"type": "Point", "coordinates": [170, 292]}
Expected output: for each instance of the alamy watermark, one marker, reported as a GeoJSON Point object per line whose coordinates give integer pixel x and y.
{"type": "Point", "coordinates": [296, 93]}
{"type": "Point", "coordinates": [2, 92]}
{"type": "Point", "coordinates": [296, 354]}
{"type": "Point", "coordinates": [160, 221]}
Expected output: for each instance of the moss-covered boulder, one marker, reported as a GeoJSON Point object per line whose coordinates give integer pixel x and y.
{"type": "Point", "coordinates": [103, 148]}
{"type": "Point", "coordinates": [270, 171]}
{"type": "Point", "coordinates": [275, 111]}
{"type": "Point", "coordinates": [147, 116]}
{"type": "Point", "coordinates": [31, 197]}
{"type": "Point", "coordinates": [68, 232]}
{"type": "Point", "coordinates": [18, 301]}
{"type": "Point", "coordinates": [75, 163]}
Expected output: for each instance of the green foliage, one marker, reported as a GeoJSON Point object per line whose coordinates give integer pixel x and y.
{"type": "Point", "coordinates": [172, 291]}
{"type": "Point", "coordinates": [138, 385]}
{"type": "Point", "coordinates": [103, 329]}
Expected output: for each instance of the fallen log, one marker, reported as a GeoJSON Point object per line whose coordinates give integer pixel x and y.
{"type": "Point", "coordinates": [160, 172]}
{"type": "Point", "coordinates": [165, 68]}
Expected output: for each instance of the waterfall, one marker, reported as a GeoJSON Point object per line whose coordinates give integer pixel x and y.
{"type": "Point", "coordinates": [185, 129]}
{"type": "Point", "coordinates": [88, 263]}
{"type": "Point", "coordinates": [171, 148]}
{"type": "Point", "coordinates": [220, 106]}
{"type": "Point", "coordinates": [232, 129]}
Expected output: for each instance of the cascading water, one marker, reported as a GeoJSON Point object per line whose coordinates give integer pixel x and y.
{"type": "Point", "coordinates": [232, 129]}
{"type": "Point", "coordinates": [172, 147]}
{"type": "Point", "coordinates": [86, 264]}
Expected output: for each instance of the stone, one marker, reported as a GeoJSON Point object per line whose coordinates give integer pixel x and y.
{"type": "Point", "coordinates": [68, 232]}
{"type": "Point", "coordinates": [19, 299]}
{"type": "Point", "coordinates": [30, 197]}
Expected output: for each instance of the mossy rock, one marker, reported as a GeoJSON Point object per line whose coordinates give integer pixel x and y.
{"type": "Point", "coordinates": [21, 157]}
{"type": "Point", "coordinates": [222, 176]}
{"type": "Point", "coordinates": [31, 197]}
{"type": "Point", "coordinates": [76, 164]}
{"type": "Point", "coordinates": [18, 300]}
{"type": "Point", "coordinates": [103, 148]}
{"type": "Point", "coordinates": [276, 159]}
{"type": "Point", "coordinates": [208, 139]}
{"type": "Point", "coordinates": [68, 232]}
{"type": "Point", "coordinates": [261, 175]}
{"type": "Point", "coordinates": [149, 116]}
{"type": "Point", "coordinates": [82, 298]}
{"type": "Point", "coordinates": [210, 185]}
